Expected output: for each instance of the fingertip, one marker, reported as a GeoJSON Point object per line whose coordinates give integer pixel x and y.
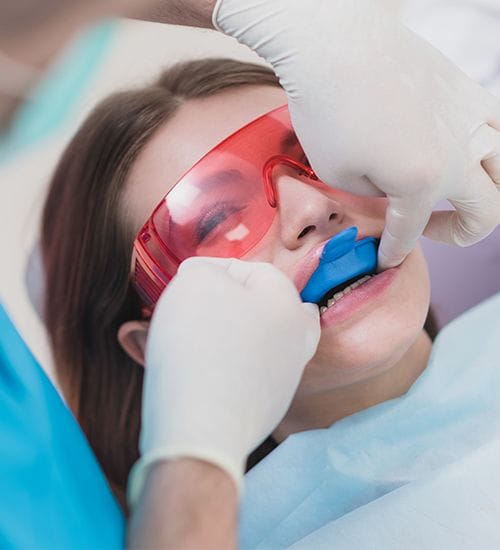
{"type": "Point", "coordinates": [188, 264]}
{"type": "Point", "coordinates": [313, 336]}
{"type": "Point", "coordinates": [388, 259]}
{"type": "Point", "coordinates": [312, 309]}
{"type": "Point", "coordinates": [204, 261]}
{"type": "Point", "coordinates": [403, 227]}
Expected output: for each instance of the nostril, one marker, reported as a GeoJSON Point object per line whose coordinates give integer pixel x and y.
{"type": "Point", "coordinates": [305, 231]}
{"type": "Point", "coordinates": [333, 215]}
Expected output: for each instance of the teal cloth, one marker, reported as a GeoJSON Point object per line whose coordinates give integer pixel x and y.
{"type": "Point", "coordinates": [318, 476]}
{"type": "Point", "coordinates": [56, 95]}
{"type": "Point", "coordinates": [54, 494]}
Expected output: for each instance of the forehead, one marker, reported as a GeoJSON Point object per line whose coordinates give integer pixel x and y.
{"type": "Point", "coordinates": [197, 126]}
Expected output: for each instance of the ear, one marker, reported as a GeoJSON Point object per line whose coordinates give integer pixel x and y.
{"type": "Point", "coordinates": [132, 336]}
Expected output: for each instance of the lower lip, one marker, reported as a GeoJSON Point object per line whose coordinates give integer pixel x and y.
{"type": "Point", "coordinates": [359, 298]}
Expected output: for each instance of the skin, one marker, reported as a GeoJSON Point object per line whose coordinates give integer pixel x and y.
{"type": "Point", "coordinates": [374, 354]}
{"type": "Point", "coordinates": [190, 493]}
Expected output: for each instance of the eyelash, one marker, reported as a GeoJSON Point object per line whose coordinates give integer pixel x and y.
{"type": "Point", "coordinates": [212, 219]}
{"type": "Point", "coordinates": [215, 217]}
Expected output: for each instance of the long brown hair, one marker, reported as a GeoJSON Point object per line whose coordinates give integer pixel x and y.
{"type": "Point", "coordinates": [86, 247]}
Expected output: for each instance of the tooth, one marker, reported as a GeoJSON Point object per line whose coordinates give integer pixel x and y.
{"type": "Point", "coordinates": [348, 289]}
{"type": "Point", "coordinates": [338, 295]}
{"type": "Point", "coordinates": [331, 301]}
{"type": "Point", "coordinates": [322, 310]}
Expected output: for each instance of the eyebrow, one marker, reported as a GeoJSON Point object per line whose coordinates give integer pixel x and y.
{"type": "Point", "coordinates": [290, 140]}
{"type": "Point", "coordinates": [232, 174]}
{"type": "Point", "coordinates": [224, 176]}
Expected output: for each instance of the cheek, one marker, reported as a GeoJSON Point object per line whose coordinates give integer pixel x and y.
{"type": "Point", "coordinates": [270, 250]}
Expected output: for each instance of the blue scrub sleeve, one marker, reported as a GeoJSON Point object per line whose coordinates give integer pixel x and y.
{"type": "Point", "coordinates": [54, 494]}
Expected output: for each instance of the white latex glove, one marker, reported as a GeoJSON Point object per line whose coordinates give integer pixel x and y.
{"type": "Point", "coordinates": [375, 105]}
{"type": "Point", "coordinates": [225, 353]}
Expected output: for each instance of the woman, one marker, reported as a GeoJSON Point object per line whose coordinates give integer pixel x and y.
{"type": "Point", "coordinates": [124, 159]}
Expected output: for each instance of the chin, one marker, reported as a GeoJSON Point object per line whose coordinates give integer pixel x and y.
{"type": "Point", "coordinates": [358, 354]}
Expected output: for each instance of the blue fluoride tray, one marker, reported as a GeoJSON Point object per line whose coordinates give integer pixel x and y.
{"type": "Point", "coordinates": [343, 258]}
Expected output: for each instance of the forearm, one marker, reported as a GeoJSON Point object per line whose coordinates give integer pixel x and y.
{"type": "Point", "coordinates": [193, 13]}
{"type": "Point", "coordinates": [198, 13]}
{"type": "Point", "coordinates": [185, 503]}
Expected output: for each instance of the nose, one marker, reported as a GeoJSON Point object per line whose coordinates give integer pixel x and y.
{"type": "Point", "coordinates": [306, 213]}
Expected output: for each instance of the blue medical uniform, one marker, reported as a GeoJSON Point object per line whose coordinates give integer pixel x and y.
{"type": "Point", "coordinates": [53, 492]}
{"type": "Point", "coordinates": [317, 477]}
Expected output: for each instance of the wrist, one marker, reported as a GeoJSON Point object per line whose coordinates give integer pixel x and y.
{"type": "Point", "coordinates": [177, 470]}
{"type": "Point", "coordinates": [192, 13]}
{"type": "Point", "coordinates": [193, 455]}
{"type": "Point", "coordinates": [182, 497]}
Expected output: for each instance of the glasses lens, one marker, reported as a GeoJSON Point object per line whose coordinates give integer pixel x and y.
{"type": "Point", "coordinates": [220, 207]}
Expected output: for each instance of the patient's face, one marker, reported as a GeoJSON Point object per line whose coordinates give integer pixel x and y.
{"type": "Point", "coordinates": [364, 333]}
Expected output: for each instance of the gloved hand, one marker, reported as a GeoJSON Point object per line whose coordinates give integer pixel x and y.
{"type": "Point", "coordinates": [375, 105]}
{"type": "Point", "coordinates": [225, 353]}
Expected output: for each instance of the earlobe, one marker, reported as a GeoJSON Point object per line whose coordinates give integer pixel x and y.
{"type": "Point", "coordinates": [132, 337]}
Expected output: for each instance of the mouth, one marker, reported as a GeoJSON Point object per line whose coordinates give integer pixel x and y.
{"type": "Point", "coordinates": [345, 264]}
{"type": "Point", "coordinates": [339, 291]}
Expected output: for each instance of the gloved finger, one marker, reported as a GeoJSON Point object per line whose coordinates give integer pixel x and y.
{"type": "Point", "coordinates": [280, 292]}
{"type": "Point", "coordinates": [492, 167]}
{"type": "Point", "coordinates": [197, 262]}
{"type": "Point", "coordinates": [484, 142]}
{"type": "Point", "coordinates": [202, 272]}
{"type": "Point", "coordinates": [238, 270]}
{"type": "Point", "coordinates": [313, 330]}
{"type": "Point", "coordinates": [490, 157]}
{"type": "Point", "coordinates": [273, 284]}
{"type": "Point", "coordinates": [353, 183]}
{"type": "Point", "coordinates": [491, 105]}
{"type": "Point", "coordinates": [479, 213]}
{"type": "Point", "coordinates": [474, 217]}
{"type": "Point", "coordinates": [405, 220]}
{"type": "Point", "coordinates": [247, 273]}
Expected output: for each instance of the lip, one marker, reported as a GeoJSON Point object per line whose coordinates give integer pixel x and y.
{"type": "Point", "coordinates": [310, 262]}
{"type": "Point", "coordinates": [360, 298]}
{"type": "Point", "coordinates": [308, 265]}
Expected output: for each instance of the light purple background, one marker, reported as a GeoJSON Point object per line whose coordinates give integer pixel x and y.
{"type": "Point", "coordinates": [468, 32]}
{"type": "Point", "coordinates": [462, 277]}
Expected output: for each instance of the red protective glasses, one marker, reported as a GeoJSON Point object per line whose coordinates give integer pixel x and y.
{"type": "Point", "coordinates": [222, 207]}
